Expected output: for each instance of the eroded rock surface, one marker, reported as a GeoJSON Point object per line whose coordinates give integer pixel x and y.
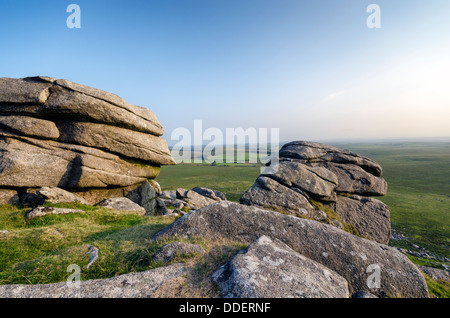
{"type": "Point", "coordinates": [271, 269]}
{"type": "Point", "coordinates": [348, 255]}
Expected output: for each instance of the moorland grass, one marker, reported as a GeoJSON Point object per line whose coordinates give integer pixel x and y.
{"type": "Point", "coordinates": [39, 251]}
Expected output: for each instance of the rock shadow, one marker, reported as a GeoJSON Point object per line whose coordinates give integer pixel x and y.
{"type": "Point", "coordinates": [72, 176]}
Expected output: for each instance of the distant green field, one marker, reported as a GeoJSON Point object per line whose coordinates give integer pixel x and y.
{"type": "Point", "coordinates": [233, 180]}
{"type": "Point", "coordinates": [418, 175]}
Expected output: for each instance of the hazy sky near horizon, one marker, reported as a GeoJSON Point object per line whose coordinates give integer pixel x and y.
{"type": "Point", "coordinates": [313, 69]}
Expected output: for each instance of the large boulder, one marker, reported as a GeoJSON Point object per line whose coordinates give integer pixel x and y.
{"type": "Point", "coordinates": [95, 195]}
{"type": "Point", "coordinates": [25, 162]}
{"type": "Point", "coordinates": [271, 269]}
{"type": "Point", "coordinates": [30, 126]}
{"type": "Point", "coordinates": [133, 285]}
{"type": "Point", "coordinates": [354, 179]}
{"type": "Point", "coordinates": [194, 198]}
{"type": "Point", "coordinates": [116, 140]}
{"type": "Point", "coordinates": [37, 96]}
{"type": "Point", "coordinates": [44, 210]}
{"type": "Point", "coordinates": [324, 177]}
{"type": "Point", "coordinates": [315, 181]}
{"type": "Point", "coordinates": [56, 133]}
{"type": "Point", "coordinates": [308, 152]}
{"type": "Point", "coordinates": [122, 204]}
{"type": "Point", "coordinates": [182, 200]}
{"type": "Point", "coordinates": [370, 217]}
{"type": "Point", "coordinates": [436, 274]}
{"type": "Point", "coordinates": [212, 194]}
{"type": "Point", "coordinates": [354, 258]}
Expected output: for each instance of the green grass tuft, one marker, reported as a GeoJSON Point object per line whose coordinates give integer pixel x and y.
{"type": "Point", "coordinates": [438, 289]}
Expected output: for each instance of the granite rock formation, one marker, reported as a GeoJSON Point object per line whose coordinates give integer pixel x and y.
{"type": "Point", "coordinates": [315, 179]}
{"type": "Point", "coordinates": [56, 133]}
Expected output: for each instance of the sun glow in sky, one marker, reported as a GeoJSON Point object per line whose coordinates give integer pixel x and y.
{"type": "Point", "coordinates": [313, 69]}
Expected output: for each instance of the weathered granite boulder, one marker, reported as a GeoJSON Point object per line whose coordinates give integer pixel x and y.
{"type": "Point", "coordinates": [25, 162]}
{"type": "Point", "coordinates": [177, 203]}
{"type": "Point", "coordinates": [271, 269]}
{"type": "Point", "coordinates": [56, 133]}
{"type": "Point", "coordinates": [369, 216]}
{"type": "Point", "coordinates": [268, 193]}
{"type": "Point", "coordinates": [160, 207]}
{"type": "Point", "coordinates": [155, 185]}
{"type": "Point", "coordinates": [169, 251]}
{"type": "Point", "coordinates": [43, 211]}
{"type": "Point", "coordinates": [116, 140]}
{"type": "Point", "coordinates": [133, 285]}
{"type": "Point", "coordinates": [122, 204]}
{"type": "Point", "coordinates": [30, 126]}
{"type": "Point", "coordinates": [194, 198]}
{"type": "Point", "coordinates": [95, 195]}
{"type": "Point", "coordinates": [168, 194]}
{"type": "Point", "coordinates": [37, 96]}
{"type": "Point", "coordinates": [355, 180]}
{"type": "Point", "coordinates": [57, 195]}
{"type": "Point", "coordinates": [324, 177]}
{"type": "Point", "coordinates": [309, 152]}
{"type": "Point", "coordinates": [348, 255]}
{"type": "Point", "coordinates": [317, 182]}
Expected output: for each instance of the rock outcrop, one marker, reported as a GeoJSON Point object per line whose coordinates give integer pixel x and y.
{"type": "Point", "coordinates": [314, 179]}
{"type": "Point", "coordinates": [56, 133]}
{"type": "Point", "coordinates": [354, 258]}
{"type": "Point", "coordinates": [271, 269]}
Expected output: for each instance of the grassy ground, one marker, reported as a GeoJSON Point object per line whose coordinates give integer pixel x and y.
{"type": "Point", "coordinates": [39, 251]}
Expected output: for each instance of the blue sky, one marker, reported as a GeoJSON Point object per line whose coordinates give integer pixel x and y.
{"type": "Point", "coordinates": [313, 69]}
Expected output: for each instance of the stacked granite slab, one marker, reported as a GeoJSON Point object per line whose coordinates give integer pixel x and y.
{"type": "Point", "coordinates": [313, 176]}
{"type": "Point", "coordinates": [56, 133]}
